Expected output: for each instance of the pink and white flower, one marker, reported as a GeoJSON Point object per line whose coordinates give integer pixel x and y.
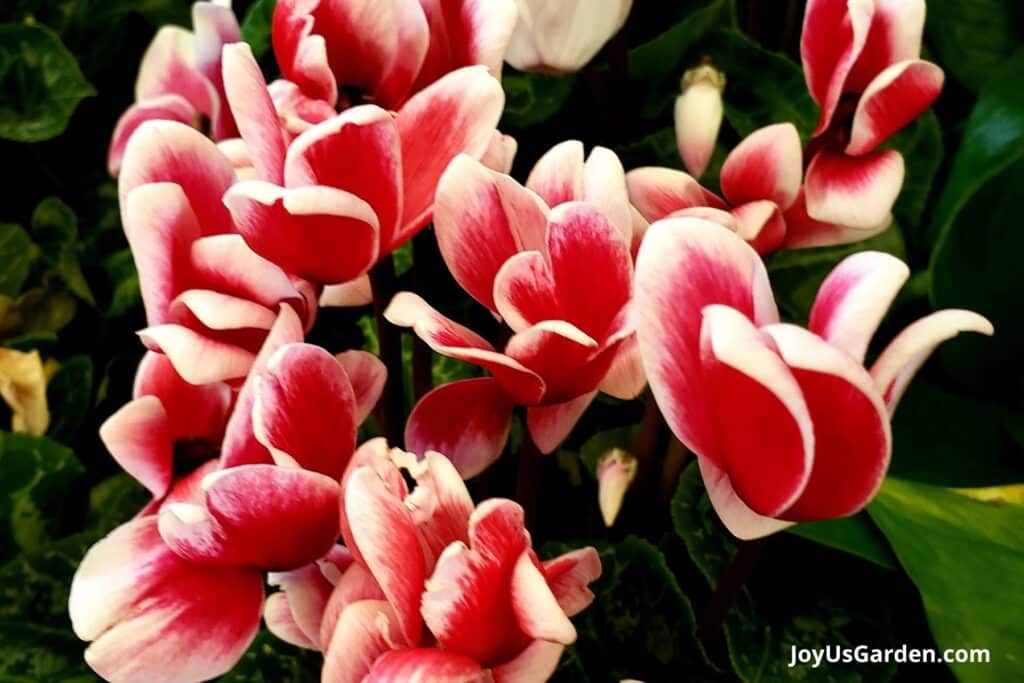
{"type": "Point", "coordinates": [180, 78]}
{"type": "Point", "coordinates": [561, 37]}
{"type": "Point", "coordinates": [862, 64]}
{"type": "Point", "coordinates": [560, 278]}
{"type": "Point", "coordinates": [787, 424]}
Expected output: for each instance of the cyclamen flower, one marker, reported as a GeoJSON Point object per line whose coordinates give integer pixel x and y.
{"type": "Point", "coordinates": [349, 190]}
{"type": "Point", "coordinates": [429, 558]}
{"type": "Point", "coordinates": [787, 424]}
{"type": "Point", "coordinates": [698, 116]}
{"type": "Point", "coordinates": [560, 278]}
{"type": "Point", "coordinates": [209, 299]}
{"type": "Point", "coordinates": [180, 78]}
{"type": "Point", "coordinates": [760, 181]}
{"type": "Point", "coordinates": [388, 49]}
{"type": "Point", "coordinates": [176, 593]}
{"type": "Point", "coordinates": [861, 61]}
{"type": "Point", "coordinates": [561, 37]}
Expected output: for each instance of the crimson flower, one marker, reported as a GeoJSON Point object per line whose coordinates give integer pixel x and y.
{"type": "Point", "coordinates": [786, 422]}
{"type": "Point", "coordinates": [560, 278]}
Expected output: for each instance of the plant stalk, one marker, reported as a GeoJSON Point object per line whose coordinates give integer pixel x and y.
{"type": "Point", "coordinates": [391, 408]}
{"type": "Point", "coordinates": [728, 588]}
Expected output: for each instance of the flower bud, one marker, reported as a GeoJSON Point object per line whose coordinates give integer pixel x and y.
{"type": "Point", "coordinates": [561, 37]}
{"type": "Point", "coordinates": [698, 116]}
{"type": "Point", "coordinates": [615, 472]}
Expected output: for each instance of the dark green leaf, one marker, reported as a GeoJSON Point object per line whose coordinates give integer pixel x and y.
{"type": "Point", "coordinates": [640, 625]}
{"type": "Point", "coordinates": [37, 312]}
{"type": "Point", "coordinates": [922, 148]}
{"type": "Point", "coordinates": [40, 83]}
{"type": "Point", "coordinates": [796, 275]}
{"type": "Point", "coordinates": [69, 394]}
{"type": "Point", "coordinates": [256, 26]}
{"type": "Point", "coordinates": [16, 254]}
{"type": "Point", "coordinates": [533, 98]}
{"type": "Point", "coordinates": [126, 296]}
{"type": "Point", "coordinates": [973, 37]}
{"type": "Point", "coordinates": [114, 501]}
{"type": "Point", "coordinates": [55, 231]}
{"type": "Point", "coordinates": [36, 474]}
{"type": "Point", "coordinates": [795, 608]}
{"type": "Point", "coordinates": [966, 558]}
{"type": "Point", "coordinates": [856, 535]}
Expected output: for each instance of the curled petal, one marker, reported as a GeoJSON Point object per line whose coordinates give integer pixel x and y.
{"type": "Point", "coordinates": [738, 518]}
{"type": "Point", "coordinates": [198, 359]}
{"type": "Point", "coordinates": [853, 299]}
{"type": "Point", "coordinates": [429, 665]}
{"type": "Point", "coordinates": [906, 353]}
{"type": "Point", "coordinates": [226, 264]}
{"type": "Point", "coordinates": [215, 26]}
{"type": "Point", "coordinates": [348, 294]}
{"type": "Point", "coordinates": [163, 107]}
{"type": "Point", "coordinates": [767, 164]}
{"type": "Point", "coordinates": [625, 378]}
{"type": "Point", "coordinates": [440, 503]}
{"type": "Point", "coordinates": [301, 55]}
{"type": "Point", "coordinates": [155, 617]}
{"type": "Point", "coordinates": [604, 187]}
{"type": "Point", "coordinates": [366, 630]}
{"type": "Point", "coordinates": [659, 192]}
{"type": "Point", "coordinates": [304, 411]}
{"type": "Point", "coordinates": [468, 420]}
{"type": "Point", "coordinates": [570, 363]}
{"type": "Point", "coordinates": [295, 522]}
{"type": "Point", "coordinates": [524, 291]}
{"type": "Point", "coordinates": [355, 585]}
{"type": "Point", "coordinates": [761, 224]}
{"type": "Point", "coordinates": [550, 425]}
{"type": "Point", "coordinates": [169, 67]}
{"type": "Point", "coordinates": [456, 114]}
{"type": "Point", "coordinates": [856, 192]}
{"type": "Point", "coordinates": [558, 176]}
{"type": "Point", "coordinates": [569, 575]}
{"type": "Point", "coordinates": [896, 97]}
{"type": "Point", "coordinates": [193, 412]}
{"type": "Point", "coordinates": [804, 232]}
{"type": "Point", "coordinates": [536, 608]}
{"type": "Point", "coordinates": [896, 30]}
{"type": "Point", "coordinates": [216, 311]}
{"type": "Point", "coordinates": [277, 613]}
{"type": "Point", "coordinates": [368, 374]}
{"type": "Point", "coordinates": [138, 436]}
{"type": "Point", "coordinates": [684, 265]}
{"type": "Point", "coordinates": [501, 152]}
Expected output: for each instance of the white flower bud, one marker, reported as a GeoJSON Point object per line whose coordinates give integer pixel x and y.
{"type": "Point", "coordinates": [698, 116]}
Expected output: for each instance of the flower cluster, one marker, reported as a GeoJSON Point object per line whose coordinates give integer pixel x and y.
{"type": "Point", "coordinates": [384, 120]}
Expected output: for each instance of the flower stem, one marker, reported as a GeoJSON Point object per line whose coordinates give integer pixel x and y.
{"type": "Point", "coordinates": [528, 478]}
{"type": "Point", "coordinates": [651, 440]}
{"type": "Point", "coordinates": [391, 408]}
{"type": "Point", "coordinates": [424, 257]}
{"type": "Point", "coordinates": [728, 588]}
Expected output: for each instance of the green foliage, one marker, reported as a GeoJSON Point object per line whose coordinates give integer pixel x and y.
{"type": "Point", "coordinates": [531, 99]}
{"type": "Point", "coordinates": [256, 26]}
{"type": "Point", "coordinates": [964, 556]}
{"type": "Point", "coordinates": [69, 394]}
{"type": "Point", "coordinates": [17, 254]}
{"type": "Point", "coordinates": [855, 535]}
{"type": "Point", "coordinates": [55, 231]}
{"type": "Point", "coordinates": [40, 83]}
{"type": "Point", "coordinates": [973, 37]}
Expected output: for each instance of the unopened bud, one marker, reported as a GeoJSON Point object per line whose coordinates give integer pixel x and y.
{"type": "Point", "coordinates": [615, 472]}
{"type": "Point", "coordinates": [698, 116]}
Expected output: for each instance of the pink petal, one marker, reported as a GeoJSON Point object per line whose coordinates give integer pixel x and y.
{"type": "Point", "coordinates": [440, 503]}
{"type": "Point", "coordinates": [295, 522]}
{"type": "Point", "coordinates": [304, 411]}
{"type": "Point", "coordinates": [361, 38]}
{"type": "Point", "coordinates": [155, 617]}
{"type": "Point", "coordinates": [216, 311]}
{"type": "Point", "coordinates": [896, 97]}
{"type": "Point", "coordinates": [524, 291]}
{"type": "Point", "coordinates": [226, 264]}
{"type": "Point", "coordinates": [198, 359]}
{"type": "Point", "coordinates": [905, 354]}
{"type": "Point", "coordinates": [383, 531]}
{"type": "Point", "coordinates": [319, 233]}
{"type": "Point", "coordinates": [467, 603]}
{"type": "Point", "coordinates": [625, 378]}
{"type": "Point", "coordinates": [425, 665]}
{"type": "Point", "coordinates": [834, 35]}
{"type": "Point", "coordinates": [767, 164]}
{"type": "Point", "coordinates": [160, 226]}
{"type": "Point", "coordinates": [456, 114]}
{"type": "Point", "coordinates": [501, 153]}
{"type": "Point", "coordinates": [852, 439]}
{"type": "Point", "coordinates": [302, 56]}
{"type": "Point", "coordinates": [467, 420]}
{"type": "Point", "coordinates": [760, 224]}
{"type": "Point", "coordinates": [684, 265]}
{"type": "Point", "coordinates": [738, 518]}
{"type": "Point", "coordinates": [569, 575]}
{"type": "Point", "coordinates": [354, 293]}
{"type": "Point", "coordinates": [658, 192]}
{"type": "Point", "coordinates": [804, 232]}
{"type": "Point", "coordinates": [367, 374]}
{"type": "Point", "coordinates": [590, 265]}
{"type": "Point", "coordinates": [895, 35]}
{"type": "Point", "coordinates": [240, 445]}
{"type": "Point", "coordinates": [215, 26]}
{"type": "Point", "coordinates": [604, 187]}
{"type": "Point", "coordinates": [857, 192]}
{"type": "Point", "coordinates": [297, 112]}
{"type": "Point", "coordinates": [357, 151]}
{"type": "Point", "coordinates": [853, 299]}
{"type": "Point", "coordinates": [569, 362]}
{"type": "Point", "coordinates": [365, 631]}
{"type": "Point", "coordinates": [455, 341]}
{"type": "Point", "coordinates": [535, 663]}
{"type": "Point", "coordinates": [193, 412]}
{"type": "Point", "coordinates": [355, 585]}
{"type": "Point", "coordinates": [536, 609]}
{"type": "Point", "coordinates": [168, 151]}
{"type": "Point", "coordinates": [169, 68]}
{"type": "Point", "coordinates": [138, 436]}
{"type": "Point", "coordinates": [169, 107]}
{"type": "Point", "coordinates": [254, 111]}
{"type": "Point", "coordinates": [464, 33]}
{"type": "Point", "coordinates": [550, 425]}
{"type": "Point", "coordinates": [765, 435]}
{"type": "Point", "coordinates": [481, 219]}
{"type": "Point", "coordinates": [558, 176]}
{"type": "Point", "coordinates": [281, 622]}
{"type": "Point", "coordinates": [407, 59]}
{"type": "Point", "coordinates": [305, 593]}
